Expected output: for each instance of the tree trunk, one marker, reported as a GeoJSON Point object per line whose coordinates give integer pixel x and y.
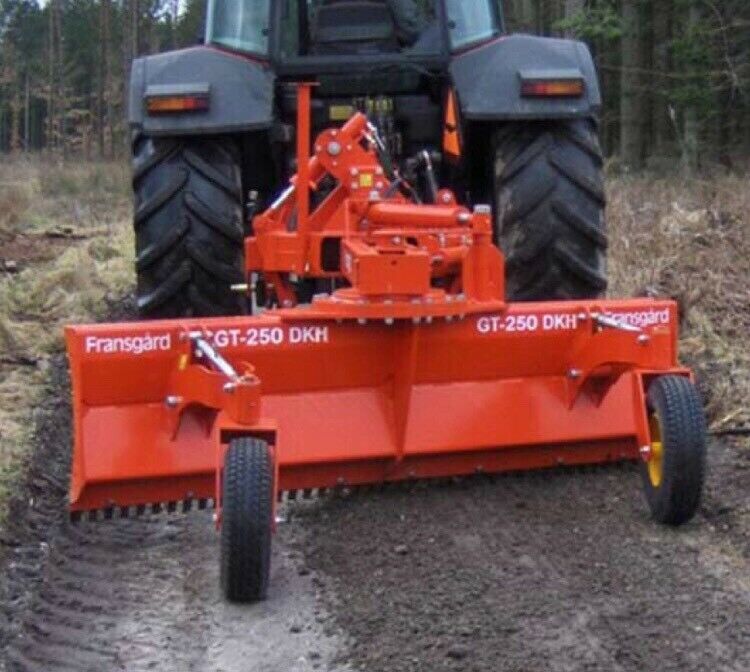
{"type": "Point", "coordinates": [100, 84]}
{"type": "Point", "coordinates": [691, 124]}
{"type": "Point", "coordinates": [660, 124]}
{"type": "Point", "coordinates": [109, 89]}
{"type": "Point", "coordinates": [630, 82]}
{"type": "Point", "coordinates": [15, 127]}
{"type": "Point", "coordinates": [528, 15]}
{"type": "Point", "coordinates": [51, 102]}
{"type": "Point", "coordinates": [26, 115]}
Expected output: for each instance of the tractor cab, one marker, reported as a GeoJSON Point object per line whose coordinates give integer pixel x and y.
{"type": "Point", "coordinates": [291, 30]}
{"type": "Point", "coordinates": [387, 58]}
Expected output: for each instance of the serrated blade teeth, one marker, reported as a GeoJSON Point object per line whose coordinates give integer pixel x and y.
{"type": "Point", "coordinates": [115, 512]}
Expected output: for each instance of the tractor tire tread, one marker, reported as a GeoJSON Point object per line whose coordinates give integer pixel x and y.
{"type": "Point", "coordinates": [160, 247]}
{"type": "Point", "coordinates": [188, 227]}
{"type": "Point", "coordinates": [222, 222]}
{"type": "Point", "coordinates": [166, 291]}
{"type": "Point", "coordinates": [580, 225]}
{"type": "Point", "coordinates": [211, 173]}
{"type": "Point", "coordinates": [165, 193]}
{"type": "Point", "coordinates": [142, 167]}
{"type": "Point", "coordinates": [576, 265]}
{"type": "Point", "coordinates": [594, 188]}
{"type": "Point", "coordinates": [529, 154]}
{"type": "Point", "coordinates": [202, 257]}
{"type": "Point", "coordinates": [550, 202]}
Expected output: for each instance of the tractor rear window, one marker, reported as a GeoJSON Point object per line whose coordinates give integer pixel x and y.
{"type": "Point", "coordinates": [471, 21]}
{"type": "Point", "coordinates": [239, 24]}
{"type": "Point", "coordinates": [359, 27]}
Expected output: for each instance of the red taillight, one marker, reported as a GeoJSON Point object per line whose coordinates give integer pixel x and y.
{"type": "Point", "coordinates": [552, 88]}
{"type": "Point", "coordinates": [171, 104]}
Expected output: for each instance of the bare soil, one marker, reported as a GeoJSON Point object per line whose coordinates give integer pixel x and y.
{"type": "Point", "coordinates": [551, 571]}
{"type": "Point", "coordinates": [139, 594]}
{"type": "Point", "coordinates": [24, 250]}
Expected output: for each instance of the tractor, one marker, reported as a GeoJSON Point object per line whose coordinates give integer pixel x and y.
{"type": "Point", "coordinates": [506, 120]}
{"type": "Point", "coordinates": [417, 219]}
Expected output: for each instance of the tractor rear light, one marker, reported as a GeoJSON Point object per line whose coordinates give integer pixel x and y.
{"type": "Point", "coordinates": [552, 88]}
{"type": "Point", "coordinates": [172, 104]}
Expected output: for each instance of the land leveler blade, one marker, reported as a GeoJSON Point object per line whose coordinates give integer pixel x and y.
{"type": "Point", "coordinates": [415, 368]}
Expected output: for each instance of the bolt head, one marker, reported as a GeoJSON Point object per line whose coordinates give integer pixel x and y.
{"type": "Point", "coordinates": [334, 148]}
{"type": "Point", "coordinates": [644, 339]}
{"type": "Point", "coordinates": [574, 374]}
{"type": "Point", "coordinates": [173, 401]}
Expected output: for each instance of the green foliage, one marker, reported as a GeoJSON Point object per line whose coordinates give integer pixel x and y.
{"type": "Point", "coordinates": [595, 23]}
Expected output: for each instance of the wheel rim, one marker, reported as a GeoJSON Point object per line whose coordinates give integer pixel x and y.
{"type": "Point", "coordinates": [656, 459]}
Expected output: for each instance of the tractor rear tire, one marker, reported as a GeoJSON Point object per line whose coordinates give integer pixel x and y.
{"type": "Point", "coordinates": [188, 226]}
{"type": "Point", "coordinates": [550, 202]}
{"type": "Point", "coordinates": [674, 475]}
{"type": "Point", "coordinates": [246, 520]}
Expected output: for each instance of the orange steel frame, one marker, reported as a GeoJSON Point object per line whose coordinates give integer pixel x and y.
{"type": "Point", "coordinates": [417, 368]}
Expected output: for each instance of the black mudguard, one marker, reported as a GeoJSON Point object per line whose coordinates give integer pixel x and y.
{"type": "Point", "coordinates": [240, 90]}
{"type": "Point", "coordinates": [488, 79]}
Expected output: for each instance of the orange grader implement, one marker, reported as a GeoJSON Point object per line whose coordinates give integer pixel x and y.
{"type": "Point", "coordinates": [414, 368]}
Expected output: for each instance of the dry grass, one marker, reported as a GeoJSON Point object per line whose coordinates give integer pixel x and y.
{"type": "Point", "coordinates": [66, 230]}
{"type": "Point", "coordinates": [690, 240]}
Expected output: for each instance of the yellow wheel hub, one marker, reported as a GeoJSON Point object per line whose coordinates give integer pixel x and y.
{"type": "Point", "coordinates": [656, 460]}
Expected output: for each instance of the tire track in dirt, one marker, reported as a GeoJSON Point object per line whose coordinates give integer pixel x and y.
{"type": "Point", "coordinates": [143, 595]}
{"type": "Point", "coordinates": [136, 594]}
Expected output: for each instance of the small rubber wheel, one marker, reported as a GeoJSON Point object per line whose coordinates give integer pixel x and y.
{"type": "Point", "coordinates": [674, 473]}
{"type": "Point", "coordinates": [247, 509]}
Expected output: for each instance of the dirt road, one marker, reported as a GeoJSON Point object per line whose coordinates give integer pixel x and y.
{"type": "Point", "coordinates": [550, 572]}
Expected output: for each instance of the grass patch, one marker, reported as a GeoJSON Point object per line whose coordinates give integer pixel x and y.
{"type": "Point", "coordinates": [689, 240]}
{"type": "Point", "coordinates": [91, 203]}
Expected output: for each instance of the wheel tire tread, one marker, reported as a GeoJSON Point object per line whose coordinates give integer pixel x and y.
{"type": "Point", "coordinates": [678, 405]}
{"type": "Point", "coordinates": [246, 520]}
